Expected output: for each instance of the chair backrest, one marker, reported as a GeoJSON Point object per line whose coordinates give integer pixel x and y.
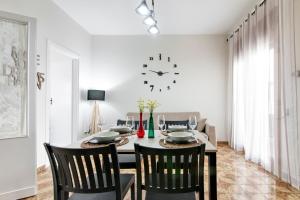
{"type": "Point", "coordinates": [170, 170]}
{"type": "Point", "coordinates": [136, 123]}
{"type": "Point", "coordinates": [92, 170]}
{"type": "Point", "coordinates": [169, 116]}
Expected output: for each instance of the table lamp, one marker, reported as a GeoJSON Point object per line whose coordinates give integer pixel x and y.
{"type": "Point", "coordinates": [95, 95]}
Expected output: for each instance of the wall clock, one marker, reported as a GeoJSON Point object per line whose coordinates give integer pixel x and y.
{"type": "Point", "coordinates": [160, 73]}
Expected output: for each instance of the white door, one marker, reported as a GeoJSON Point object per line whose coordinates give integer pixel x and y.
{"type": "Point", "coordinates": [60, 80]}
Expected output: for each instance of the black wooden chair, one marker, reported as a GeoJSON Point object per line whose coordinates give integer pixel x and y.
{"type": "Point", "coordinates": [127, 161]}
{"type": "Point", "coordinates": [170, 173]}
{"type": "Point", "coordinates": [88, 174]}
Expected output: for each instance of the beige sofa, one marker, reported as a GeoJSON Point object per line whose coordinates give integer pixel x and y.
{"type": "Point", "coordinates": [209, 131]}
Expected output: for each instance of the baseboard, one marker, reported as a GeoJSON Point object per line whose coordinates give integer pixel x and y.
{"type": "Point", "coordinates": [18, 194]}
{"type": "Point", "coordinates": [223, 142]}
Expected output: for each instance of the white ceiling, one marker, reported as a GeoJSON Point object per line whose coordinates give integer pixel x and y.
{"type": "Point", "coordinates": [118, 17]}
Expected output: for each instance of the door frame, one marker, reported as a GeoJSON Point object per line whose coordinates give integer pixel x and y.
{"type": "Point", "coordinates": [75, 89]}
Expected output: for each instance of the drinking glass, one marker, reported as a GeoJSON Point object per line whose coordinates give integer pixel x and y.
{"type": "Point", "coordinates": [193, 122]}
{"type": "Point", "coordinates": [161, 121]}
{"type": "Point", "coordinates": [130, 122]}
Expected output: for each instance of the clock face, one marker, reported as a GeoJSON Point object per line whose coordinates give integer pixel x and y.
{"type": "Point", "coordinates": [160, 73]}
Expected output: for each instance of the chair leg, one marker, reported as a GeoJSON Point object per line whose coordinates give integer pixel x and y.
{"type": "Point", "coordinates": [132, 190]}
{"type": "Point", "coordinates": [139, 193]}
{"type": "Point", "coordinates": [63, 195]}
{"type": "Point", "coordinates": [201, 190]}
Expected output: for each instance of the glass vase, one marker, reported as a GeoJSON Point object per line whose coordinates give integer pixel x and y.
{"type": "Point", "coordinates": [141, 131]}
{"type": "Point", "coordinates": [151, 127]}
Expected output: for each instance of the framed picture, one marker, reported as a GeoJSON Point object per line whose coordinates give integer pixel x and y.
{"type": "Point", "coordinates": [14, 75]}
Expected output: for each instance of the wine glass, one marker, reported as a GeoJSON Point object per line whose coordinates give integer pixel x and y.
{"type": "Point", "coordinates": [130, 122]}
{"type": "Point", "coordinates": [193, 122]}
{"type": "Point", "coordinates": [161, 121]}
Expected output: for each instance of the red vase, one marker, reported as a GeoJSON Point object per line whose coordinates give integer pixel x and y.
{"type": "Point", "coordinates": [141, 131]}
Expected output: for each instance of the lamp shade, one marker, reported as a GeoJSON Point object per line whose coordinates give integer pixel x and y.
{"type": "Point", "coordinates": [143, 9]}
{"type": "Point", "coordinates": [96, 95]}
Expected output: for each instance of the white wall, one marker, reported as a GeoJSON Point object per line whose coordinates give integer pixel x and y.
{"type": "Point", "coordinates": [55, 25]}
{"type": "Point", "coordinates": [201, 60]}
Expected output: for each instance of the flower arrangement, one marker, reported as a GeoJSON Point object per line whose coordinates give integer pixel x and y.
{"type": "Point", "coordinates": [141, 105]}
{"type": "Point", "coordinates": [151, 105]}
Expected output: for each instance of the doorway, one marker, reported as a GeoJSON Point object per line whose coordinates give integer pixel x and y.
{"type": "Point", "coordinates": [62, 95]}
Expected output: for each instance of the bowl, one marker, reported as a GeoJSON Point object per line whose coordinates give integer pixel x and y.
{"type": "Point", "coordinates": [107, 136]}
{"type": "Point", "coordinates": [180, 136]}
{"type": "Point", "coordinates": [179, 128]}
{"type": "Point", "coordinates": [121, 129]}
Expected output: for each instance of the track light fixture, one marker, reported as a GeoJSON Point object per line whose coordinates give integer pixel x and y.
{"type": "Point", "coordinates": [149, 15]}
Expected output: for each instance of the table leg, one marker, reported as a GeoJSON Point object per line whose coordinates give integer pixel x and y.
{"type": "Point", "coordinates": [212, 174]}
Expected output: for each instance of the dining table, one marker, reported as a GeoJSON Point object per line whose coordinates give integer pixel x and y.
{"type": "Point", "coordinates": [210, 152]}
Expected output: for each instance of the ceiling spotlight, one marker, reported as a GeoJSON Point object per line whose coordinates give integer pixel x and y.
{"type": "Point", "coordinates": [150, 21]}
{"type": "Point", "coordinates": [143, 9]}
{"type": "Point", "coordinates": [153, 30]}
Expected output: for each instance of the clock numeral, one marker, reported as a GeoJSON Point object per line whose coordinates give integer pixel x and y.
{"type": "Point", "coordinates": [145, 82]}
{"type": "Point", "coordinates": [168, 87]}
{"type": "Point", "coordinates": [159, 90]}
{"type": "Point", "coordinates": [159, 56]}
{"type": "Point", "coordinates": [143, 73]}
{"type": "Point", "coordinates": [152, 87]}
{"type": "Point", "coordinates": [174, 81]}
{"type": "Point", "coordinates": [169, 59]}
{"type": "Point", "coordinates": [145, 66]}
{"type": "Point", "coordinates": [175, 65]}
{"type": "Point", "coordinates": [150, 58]}
{"type": "Point", "coordinates": [176, 73]}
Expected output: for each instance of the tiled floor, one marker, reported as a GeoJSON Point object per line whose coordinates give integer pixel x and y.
{"type": "Point", "coordinates": [237, 179]}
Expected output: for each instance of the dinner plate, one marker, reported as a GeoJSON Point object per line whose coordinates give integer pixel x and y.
{"type": "Point", "coordinates": [180, 136]}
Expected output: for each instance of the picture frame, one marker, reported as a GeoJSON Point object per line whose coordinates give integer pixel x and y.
{"type": "Point", "coordinates": [17, 65]}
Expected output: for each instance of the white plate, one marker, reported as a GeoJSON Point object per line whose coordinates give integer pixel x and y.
{"type": "Point", "coordinates": [180, 136]}
{"type": "Point", "coordinates": [107, 136]}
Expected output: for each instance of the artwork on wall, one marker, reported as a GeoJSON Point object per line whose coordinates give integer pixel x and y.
{"type": "Point", "coordinates": [13, 78]}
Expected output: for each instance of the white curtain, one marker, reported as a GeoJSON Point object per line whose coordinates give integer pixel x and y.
{"type": "Point", "coordinates": [262, 111]}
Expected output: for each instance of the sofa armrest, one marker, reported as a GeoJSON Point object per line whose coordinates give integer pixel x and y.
{"type": "Point", "coordinates": [210, 131]}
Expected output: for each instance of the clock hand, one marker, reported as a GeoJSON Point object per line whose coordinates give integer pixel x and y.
{"type": "Point", "coordinates": [153, 71]}
{"type": "Point", "coordinates": [159, 73]}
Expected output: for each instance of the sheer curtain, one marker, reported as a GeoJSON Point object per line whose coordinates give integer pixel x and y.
{"type": "Point", "coordinates": [262, 111]}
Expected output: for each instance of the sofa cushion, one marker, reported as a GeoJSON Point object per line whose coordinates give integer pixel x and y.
{"type": "Point", "coordinates": [201, 125]}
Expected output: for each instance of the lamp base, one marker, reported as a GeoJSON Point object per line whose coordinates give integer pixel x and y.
{"type": "Point", "coordinates": [95, 119]}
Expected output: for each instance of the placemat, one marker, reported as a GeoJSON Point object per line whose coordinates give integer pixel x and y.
{"type": "Point", "coordinates": [127, 134]}
{"type": "Point", "coordinates": [169, 145]}
{"type": "Point", "coordinates": [86, 144]}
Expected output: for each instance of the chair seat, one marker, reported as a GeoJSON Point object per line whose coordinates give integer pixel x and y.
{"type": "Point", "coordinates": [127, 161]}
{"type": "Point", "coordinates": [126, 181]}
{"type": "Point", "coordinates": [171, 196]}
